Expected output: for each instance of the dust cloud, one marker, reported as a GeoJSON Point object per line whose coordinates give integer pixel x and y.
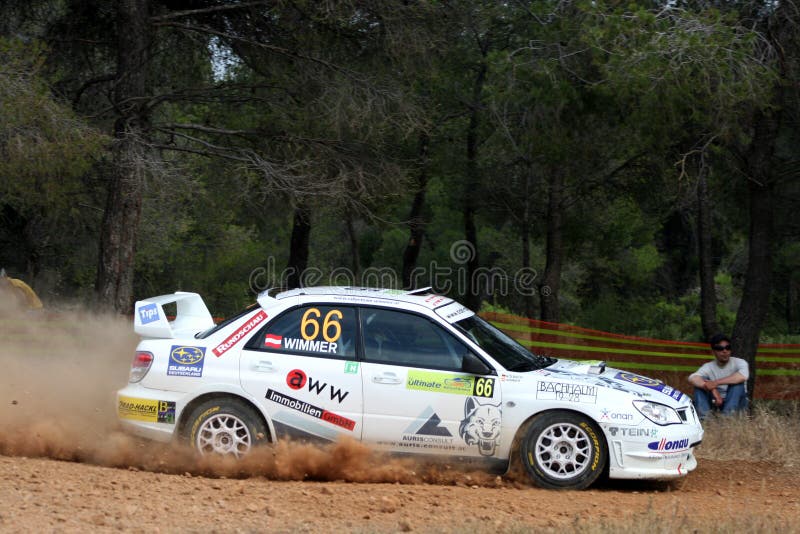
{"type": "Point", "coordinates": [59, 373]}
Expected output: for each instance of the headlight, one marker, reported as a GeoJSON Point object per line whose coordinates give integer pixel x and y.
{"type": "Point", "coordinates": [660, 414]}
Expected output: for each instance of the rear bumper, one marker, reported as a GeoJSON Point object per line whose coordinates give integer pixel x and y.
{"type": "Point", "coordinates": [149, 413]}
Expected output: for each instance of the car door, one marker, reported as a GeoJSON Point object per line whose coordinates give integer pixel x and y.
{"type": "Point", "coordinates": [302, 366]}
{"type": "Point", "coordinates": [416, 398]}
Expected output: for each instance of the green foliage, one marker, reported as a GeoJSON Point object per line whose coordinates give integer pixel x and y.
{"type": "Point", "coordinates": [326, 103]}
{"type": "Point", "coordinates": [44, 147]}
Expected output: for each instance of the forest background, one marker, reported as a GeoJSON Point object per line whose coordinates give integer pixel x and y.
{"type": "Point", "coordinates": [624, 166]}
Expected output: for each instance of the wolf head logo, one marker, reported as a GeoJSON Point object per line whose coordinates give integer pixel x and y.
{"type": "Point", "coordinates": [481, 425]}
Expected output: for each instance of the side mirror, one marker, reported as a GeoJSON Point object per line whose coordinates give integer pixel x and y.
{"type": "Point", "coordinates": [473, 365]}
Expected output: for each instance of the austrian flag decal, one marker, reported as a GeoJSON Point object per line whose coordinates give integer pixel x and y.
{"type": "Point", "coordinates": [273, 341]}
{"type": "Point", "coordinates": [237, 336]}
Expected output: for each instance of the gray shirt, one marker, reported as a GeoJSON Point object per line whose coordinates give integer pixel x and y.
{"type": "Point", "coordinates": [713, 371]}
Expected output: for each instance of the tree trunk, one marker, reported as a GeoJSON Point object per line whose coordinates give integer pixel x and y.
{"type": "Point", "coordinates": [708, 295]}
{"type": "Point", "coordinates": [551, 282]}
{"type": "Point", "coordinates": [757, 284]}
{"type": "Point", "coordinates": [352, 237]}
{"type": "Point", "coordinates": [416, 220]}
{"type": "Point", "coordinates": [525, 237]}
{"type": "Point", "coordinates": [114, 285]}
{"type": "Point", "coordinates": [472, 299]}
{"type": "Point", "coordinates": [793, 305]}
{"type": "Point", "coordinates": [298, 247]}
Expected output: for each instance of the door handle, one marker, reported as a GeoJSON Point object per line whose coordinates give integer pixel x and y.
{"type": "Point", "coordinates": [263, 366]}
{"type": "Point", "coordinates": [386, 378]}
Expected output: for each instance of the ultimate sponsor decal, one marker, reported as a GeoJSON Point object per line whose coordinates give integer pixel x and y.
{"type": "Point", "coordinates": [651, 383]}
{"type": "Point", "coordinates": [565, 391]}
{"type": "Point", "coordinates": [664, 445]}
{"type": "Point", "coordinates": [633, 432]}
{"type": "Point", "coordinates": [150, 411]}
{"type": "Point", "coordinates": [297, 379]}
{"type": "Point", "coordinates": [310, 409]}
{"type": "Point", "coordinates": [148, 313]}
{"type": "Point", "coordinates": [237, 336]}
{"type": "Point", "coordinates": [186, 361]}
{"type": "Point", "coordinates": [454, 384]}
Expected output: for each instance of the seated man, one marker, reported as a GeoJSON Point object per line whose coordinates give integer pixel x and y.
{"type": "Point", "coordinates": [720, 383]}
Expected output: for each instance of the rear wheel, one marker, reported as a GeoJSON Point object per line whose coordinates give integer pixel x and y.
{"type": "Point", "coordinates": [226, 427]}
{"type": "Point", "coordinates": [563, 450]}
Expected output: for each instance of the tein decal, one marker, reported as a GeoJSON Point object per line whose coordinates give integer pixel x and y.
{"type": "Point", "coordinates": [237, 336]}
{"type": "Point", "coordinates": [310, 409]}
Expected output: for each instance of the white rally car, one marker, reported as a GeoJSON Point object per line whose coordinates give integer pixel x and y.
{"type": "Point", "coordinates": [404, 371]}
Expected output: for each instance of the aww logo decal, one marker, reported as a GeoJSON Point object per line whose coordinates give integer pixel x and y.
{"type": "Point", "coordinates": [297, 379]}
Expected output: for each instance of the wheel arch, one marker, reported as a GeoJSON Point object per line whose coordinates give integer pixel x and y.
{"type": "Point", "coordinates": [183, 421]}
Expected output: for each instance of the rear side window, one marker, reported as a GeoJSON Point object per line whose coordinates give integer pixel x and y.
{"type": "Point", "coordinates": [327, 331]}
{"type": "Point", "coordinates": [400, 338]}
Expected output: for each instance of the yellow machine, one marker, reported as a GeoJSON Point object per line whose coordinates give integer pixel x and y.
{"type": "Point", "coordinates": [13, 288]}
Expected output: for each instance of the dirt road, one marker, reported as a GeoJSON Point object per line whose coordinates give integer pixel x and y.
{"type": "Point", "coordinates": [45, 495]}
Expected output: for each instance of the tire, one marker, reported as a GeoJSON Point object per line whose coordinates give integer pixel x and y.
{"type": "Point", "coordinates": [225, 427]}
{"type": "Point", "coordinates": [563, 450]}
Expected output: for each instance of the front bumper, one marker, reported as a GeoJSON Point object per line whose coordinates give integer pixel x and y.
{"type": "Point", "coordinates": [662, 453]}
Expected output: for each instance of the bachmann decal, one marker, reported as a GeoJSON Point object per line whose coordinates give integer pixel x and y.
{"type": "Point", "coordinates": [237, 336]}
{"type": "Point", "coordinates": [564, 391]}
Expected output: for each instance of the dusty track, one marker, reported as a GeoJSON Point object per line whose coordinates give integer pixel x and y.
{"type": "Point", "coordinates": [45, 495]}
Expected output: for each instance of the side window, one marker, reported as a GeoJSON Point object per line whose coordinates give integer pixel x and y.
{"type": "Point", "coordinates": [328, 331]}
{"type": "Point", "coordinates": [406, 339]}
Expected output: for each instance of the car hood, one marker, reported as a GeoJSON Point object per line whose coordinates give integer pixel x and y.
{"type": "Point", "coordinates": [598, 374]}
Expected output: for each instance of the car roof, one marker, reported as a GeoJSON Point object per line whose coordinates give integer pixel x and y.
{"type": "Point", "coordinates": [423, 296]}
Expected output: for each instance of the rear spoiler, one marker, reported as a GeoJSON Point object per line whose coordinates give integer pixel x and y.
{"type": "Point", "coordinates": [192, 316]}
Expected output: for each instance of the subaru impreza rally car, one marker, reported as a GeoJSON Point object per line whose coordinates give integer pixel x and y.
{"type": "Point", "coordinates": [403, 371]}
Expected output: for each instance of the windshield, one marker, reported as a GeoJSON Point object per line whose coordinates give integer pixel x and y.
{"type": "Point", "coordinates": [502, 348]}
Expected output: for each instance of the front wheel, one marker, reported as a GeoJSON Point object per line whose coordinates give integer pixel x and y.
{"type": "Point", "coordinates": [226, 427]}
{"type": "Point", "coordinates": [563, 450]}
